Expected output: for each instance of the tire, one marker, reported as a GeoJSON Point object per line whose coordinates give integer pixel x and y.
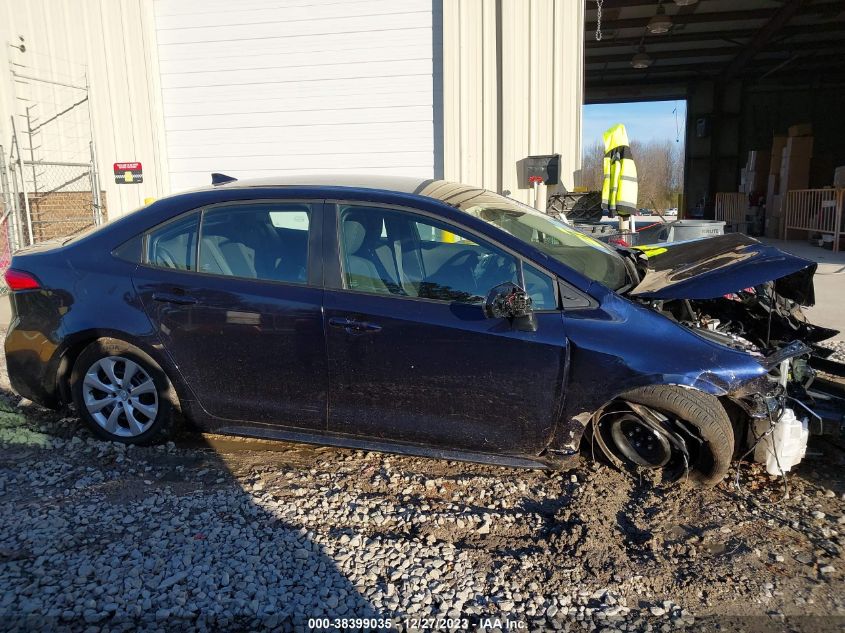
{"type": "Point", "coordinates": [140, 412]}
{"type": "Point", "coordinates": [710, 420]}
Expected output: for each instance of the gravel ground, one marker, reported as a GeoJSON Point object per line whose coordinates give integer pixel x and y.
{"type": "Point", "coordinates": [216, 533]}
{"type": "Point", "coordinates": [838, 348]}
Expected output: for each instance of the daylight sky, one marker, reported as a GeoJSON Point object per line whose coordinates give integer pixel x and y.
{"type": "Point", "coordinates": [645, 121]}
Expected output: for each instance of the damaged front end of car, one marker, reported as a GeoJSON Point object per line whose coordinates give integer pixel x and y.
{"type": "Point", "coordinates": [747, 296]}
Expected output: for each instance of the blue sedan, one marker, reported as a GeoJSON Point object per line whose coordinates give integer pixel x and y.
{"type": "Point", "coordinates": [415, 316]}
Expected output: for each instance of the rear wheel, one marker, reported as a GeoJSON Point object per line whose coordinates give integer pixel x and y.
{"type": "Point", "coordinates": [121, 393]}
{"type": "Point", "coordinates": [677, 431]}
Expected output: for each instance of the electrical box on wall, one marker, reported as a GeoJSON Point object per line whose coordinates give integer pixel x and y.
{"type": "Point", "coordinates": [702, 127]}
{"type": "Point", "coordinates": [546, 167]}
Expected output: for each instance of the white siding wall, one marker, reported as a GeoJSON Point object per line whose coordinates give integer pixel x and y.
{"type": "Point", "coordinates": [261, 88]}
{"type": "Point", "coordinates": [511, 94]}
{"type": "Point", "coordinates": [113, 42]}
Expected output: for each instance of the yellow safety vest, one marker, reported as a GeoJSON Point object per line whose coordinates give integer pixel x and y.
{"type": "Point", "coordinates": [619, 186]}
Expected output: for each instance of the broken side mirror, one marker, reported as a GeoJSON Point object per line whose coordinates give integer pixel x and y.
{"type": "Point", "coordinates": [509, 301]}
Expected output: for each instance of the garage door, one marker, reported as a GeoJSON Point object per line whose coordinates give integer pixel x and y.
{"type": "Point", "coordinates": [260, 88]}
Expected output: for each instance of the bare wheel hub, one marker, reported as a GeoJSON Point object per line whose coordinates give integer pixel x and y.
{"type": "Point", "coordinates": [639, 443]}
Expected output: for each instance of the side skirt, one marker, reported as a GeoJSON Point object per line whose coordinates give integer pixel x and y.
{"type": "Point", "coordinates": [559, 462]}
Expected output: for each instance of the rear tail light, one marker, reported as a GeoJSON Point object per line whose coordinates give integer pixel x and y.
{"type": "Point", "coordinates": [20, 280]}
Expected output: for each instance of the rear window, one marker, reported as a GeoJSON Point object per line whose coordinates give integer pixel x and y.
{"type": "Point", "coordinates": [95, 228]}
{"type": "Point", "coordinates": [174, 244]}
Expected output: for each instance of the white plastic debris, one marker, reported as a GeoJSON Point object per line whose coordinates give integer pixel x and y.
{"type": "Point", "coordinates": [785, 446]}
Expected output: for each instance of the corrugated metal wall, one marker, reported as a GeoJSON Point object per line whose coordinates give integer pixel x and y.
{"type": "Point", "coordinates": [513, 87]}
{"type": "Point", "coordinates": [113, 42]}
{"type": "Point", "coordinates": [259, 88]}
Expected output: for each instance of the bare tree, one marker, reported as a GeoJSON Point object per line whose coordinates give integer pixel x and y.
{"type": "Point", "coordinates": [591, 166]}
{"type": "Point", "coordinates": [660, 171]}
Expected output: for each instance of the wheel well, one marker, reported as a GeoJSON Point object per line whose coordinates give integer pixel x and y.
{"type": "Point", "coordinates": [66, 363]}
{"type": "Point", "coordinates": [68, 360]}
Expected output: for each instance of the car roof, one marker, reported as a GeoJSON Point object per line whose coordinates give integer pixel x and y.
{"type": "Point", "coordinates": [441, 190]}
{"type": "Point", "coordinates": [401, 184]}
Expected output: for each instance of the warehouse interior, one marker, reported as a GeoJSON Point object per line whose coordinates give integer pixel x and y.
{"type": "Point", "coordinates": [757, 75]}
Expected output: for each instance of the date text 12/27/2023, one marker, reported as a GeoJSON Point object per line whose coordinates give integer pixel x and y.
{"type": "Point", "coordinates": [417, 624]}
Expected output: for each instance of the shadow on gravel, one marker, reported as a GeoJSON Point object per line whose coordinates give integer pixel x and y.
{"type": "Point", "coordinates": [97, 536]}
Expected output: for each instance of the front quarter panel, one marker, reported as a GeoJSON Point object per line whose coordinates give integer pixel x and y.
{"type": "Point", "coordinates": [621, 345]}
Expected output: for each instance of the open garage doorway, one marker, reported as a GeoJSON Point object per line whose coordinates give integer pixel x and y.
{"type": "Point", "coordinates": [754, 73]}
{"type": "Point", "coordinates": [656, 131]}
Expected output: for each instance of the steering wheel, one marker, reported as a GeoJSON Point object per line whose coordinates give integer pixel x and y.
{"type": "Point", "coordinates": [453, 261]}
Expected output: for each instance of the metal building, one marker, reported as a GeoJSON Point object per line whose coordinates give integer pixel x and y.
{"type": "Point", "coordinates": [461, 89]}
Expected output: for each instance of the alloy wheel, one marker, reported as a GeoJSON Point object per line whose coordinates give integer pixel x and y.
{"type": "Point", "coordinates": [120, 396]}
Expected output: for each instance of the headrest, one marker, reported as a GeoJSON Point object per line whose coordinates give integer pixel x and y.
{"type": "Point", "coordinates": [360, 227]}
{"type": "Point", "coordinates": [354, 234]}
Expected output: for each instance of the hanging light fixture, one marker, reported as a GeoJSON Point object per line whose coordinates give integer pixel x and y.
{"type": "Point", "coordinates": [685, 3]}
{"type": "Point", "coordinates": [641, 60]}
{"type": "Point", "coordinates": [660, 23]}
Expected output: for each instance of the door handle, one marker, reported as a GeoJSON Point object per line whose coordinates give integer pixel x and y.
{"type": "Point", "coordinates": [354, 327]}
{"type": "Point", "coordinates": [340, 322]}
{"type": "Point", "coordinates": [166, 297]}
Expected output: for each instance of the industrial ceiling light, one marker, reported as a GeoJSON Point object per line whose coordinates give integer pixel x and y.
{"type": "Point", "coordinates": [685, 3]}
{"type": "Point", "coordinates": [641, 60]}
{"type": "Point", "coordinates": [660, 23]}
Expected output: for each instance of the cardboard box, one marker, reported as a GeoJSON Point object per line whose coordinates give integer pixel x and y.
{"type": "Point", "coordinates": [801, 129]}
{"type": "Point", "coordinates": [795, 164]}
{"type": "Point", "coordinates": [774, 226]}
{"type": "Point", "coordinates": [839, 177]}
{"type": "Point", "coordinates": [799, 147]}
{"type": "Point", "coordinates": [756, 181]}
{"type": "Point", "coordinates": [771, 190]}
{"type": "Point", "coordinates": [776, 207]}
{"type": "Point", "coordinates": [774, 217]}
{"type": "Point", "coordinates": [778, 143]}
{"type": "Point", "coordinates": [758, 161]}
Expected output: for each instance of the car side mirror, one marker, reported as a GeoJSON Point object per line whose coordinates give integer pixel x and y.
{"type": "Point", "coordinates": [509, 301]}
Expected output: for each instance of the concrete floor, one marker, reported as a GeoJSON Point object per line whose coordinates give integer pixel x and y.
{"type": "Point", "coordinates": [829, 310]}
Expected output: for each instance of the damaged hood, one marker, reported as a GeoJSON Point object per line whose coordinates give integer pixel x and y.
{"type": "Point", "coordinates": [713, 267]}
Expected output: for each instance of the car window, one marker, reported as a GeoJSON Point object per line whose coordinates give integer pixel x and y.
{"type": "Point", "coordinates": [540, 287]}
{"type": "Point", "coordinates": [174, 244]}
{"type": "Point", "coordinates": [266, 241]}
{"type": "Point", "coordinates": [592, 258]}
{"type": "Point", "coordinates": [400, 253]}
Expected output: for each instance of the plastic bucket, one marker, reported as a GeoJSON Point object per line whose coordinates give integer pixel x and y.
{"type": "Point", "coordinates": [684, 230]}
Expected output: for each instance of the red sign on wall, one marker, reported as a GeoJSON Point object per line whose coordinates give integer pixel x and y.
{"type": "Point", "coordinates": [128, 173]}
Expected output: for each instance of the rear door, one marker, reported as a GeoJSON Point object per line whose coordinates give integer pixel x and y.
{"type": "Point", "coordinates": [234, 291]}
{"type": "Point", "coordinates": [412, 357]}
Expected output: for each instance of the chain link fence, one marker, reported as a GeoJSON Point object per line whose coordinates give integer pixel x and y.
{"type": "Point", "coordinates": [60, 200]}
{"type": "Point", "coordinates": [50, 186]}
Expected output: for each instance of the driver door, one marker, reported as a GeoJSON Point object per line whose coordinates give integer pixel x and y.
{"type": "Point", "coordinates": [412, 357]}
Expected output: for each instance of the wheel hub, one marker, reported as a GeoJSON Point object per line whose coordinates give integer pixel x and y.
{"type": "Point", "coordinates": [639, 443]}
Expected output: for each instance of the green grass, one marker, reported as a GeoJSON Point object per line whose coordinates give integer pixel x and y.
{"type": "Point", "coordinates": [15, 430]}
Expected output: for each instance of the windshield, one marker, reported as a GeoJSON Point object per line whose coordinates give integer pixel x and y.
{"type": "Point", "coordinates": [558, 240]}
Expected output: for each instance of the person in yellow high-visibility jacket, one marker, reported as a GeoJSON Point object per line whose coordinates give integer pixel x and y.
{"type": "Point", "coordinates": [619, 186]}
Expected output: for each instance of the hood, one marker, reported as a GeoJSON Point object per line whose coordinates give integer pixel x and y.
{"type": "Point", "coordinates": [713, 267]}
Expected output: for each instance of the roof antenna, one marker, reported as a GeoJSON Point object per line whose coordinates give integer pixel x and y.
{"type": "Point", "coordinates": [221, 179]}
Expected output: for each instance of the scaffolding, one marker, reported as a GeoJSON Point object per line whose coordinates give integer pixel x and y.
{"type": "Point", "coordinates": [46, 195]}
